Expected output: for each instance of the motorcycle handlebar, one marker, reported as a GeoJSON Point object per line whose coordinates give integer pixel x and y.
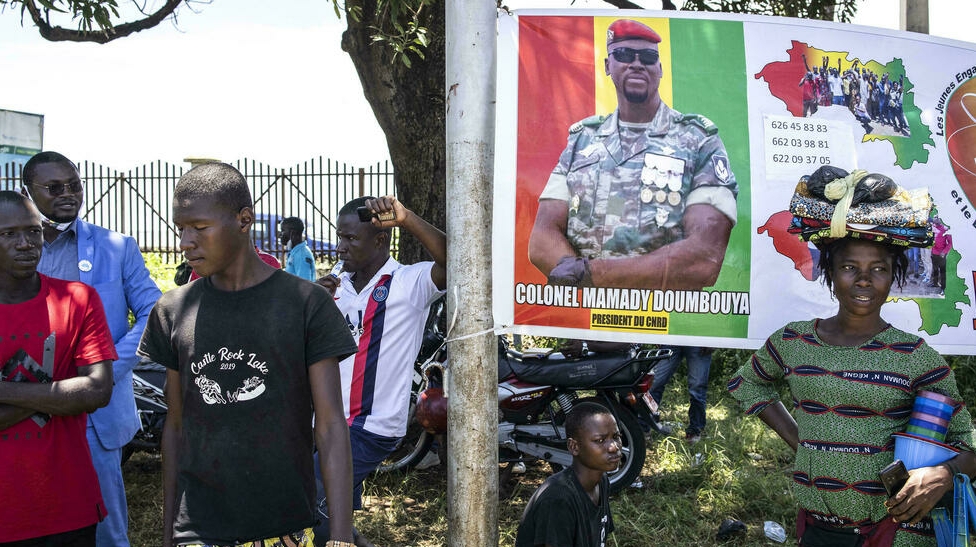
{"type": "Point", "coordinates": [653, 354]}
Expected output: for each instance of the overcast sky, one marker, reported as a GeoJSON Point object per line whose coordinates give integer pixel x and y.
{"type": "Point", "coordinates": [239, 80]}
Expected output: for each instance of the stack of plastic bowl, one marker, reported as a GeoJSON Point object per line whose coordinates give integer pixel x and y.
{"type": "Point", "coordinates": [923, 442]}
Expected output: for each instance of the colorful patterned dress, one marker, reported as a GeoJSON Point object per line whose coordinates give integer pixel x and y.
{"type": "Point", "coordinates": [847, 401]}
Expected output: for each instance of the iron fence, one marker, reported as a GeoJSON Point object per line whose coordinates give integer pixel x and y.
{"type": "Point", "coordinates": [137, 202]}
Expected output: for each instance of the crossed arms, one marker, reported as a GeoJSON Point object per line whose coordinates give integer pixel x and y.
{"type": "Point", "coordinates": [88, 391]}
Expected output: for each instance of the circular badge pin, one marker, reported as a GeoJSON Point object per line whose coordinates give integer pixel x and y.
{"type": "Point", "coordinates": [674, 181]}
{"type": "Point", "coordinates": [647, 176]}
{"type": "Point", "coordinates": [660, 196]}
{"type": "Point", "coordinates": [646, 194]}
{"type": "Point", "coordinates": [674, 198]}
{"type": "Point", "coordinates": [85, 265]}
{"type": "Point", "coordinates": [661, 181]}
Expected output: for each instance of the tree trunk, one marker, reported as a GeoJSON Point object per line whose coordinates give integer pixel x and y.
{"type": "Point", "coordinates": [409, 105]}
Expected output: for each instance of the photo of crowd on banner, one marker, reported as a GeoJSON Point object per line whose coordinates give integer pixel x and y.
{"type": "Point", "coordinates": [876, 102]}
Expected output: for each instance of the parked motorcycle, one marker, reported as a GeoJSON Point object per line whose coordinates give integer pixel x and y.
{"type": "Point", "coordinates": [536, 391]}
{"type": "Point", "coordinates": [148, 379]}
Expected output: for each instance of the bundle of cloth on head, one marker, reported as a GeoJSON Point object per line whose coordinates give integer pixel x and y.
{"type": "Point", "coordinates": [832, 203]}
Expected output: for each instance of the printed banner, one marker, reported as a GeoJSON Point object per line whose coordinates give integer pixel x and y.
{"type": "Point", "coordinates": [684, 221]}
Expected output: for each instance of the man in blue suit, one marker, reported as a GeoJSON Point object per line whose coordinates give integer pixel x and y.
{"type": "Point", "coordinates": [111, 263]}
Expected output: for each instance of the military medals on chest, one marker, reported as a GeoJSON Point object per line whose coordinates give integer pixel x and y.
{"type": "Point", "coordinates": [646, 194]}
{"type": "Point", "coordinates": [661, 179]}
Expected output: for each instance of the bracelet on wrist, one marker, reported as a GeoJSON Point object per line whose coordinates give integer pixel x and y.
{"type": "Point", "coordinates": [337, 543]}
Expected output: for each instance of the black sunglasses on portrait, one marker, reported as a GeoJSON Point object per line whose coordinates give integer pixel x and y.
{"type": "Point", "coordinates": [627, 55]}
{"type": "Point", "coordinates": [58, 188]}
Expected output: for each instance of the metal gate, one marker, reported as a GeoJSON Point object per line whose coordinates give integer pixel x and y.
{"type": "Point", "coordinates": [137, 202]}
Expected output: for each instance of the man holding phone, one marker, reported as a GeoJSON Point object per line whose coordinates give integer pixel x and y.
{"type": "Point", "coordinates": [385, 304]}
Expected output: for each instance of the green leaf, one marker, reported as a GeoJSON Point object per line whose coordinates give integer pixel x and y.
{"type": "Point", "coordinates": [50, 6]}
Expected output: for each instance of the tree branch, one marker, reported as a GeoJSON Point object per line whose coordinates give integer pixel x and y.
{"type": "Point", "coordinates": [624, 4]}
{"type": "Point", "coordinates": [61, 34]}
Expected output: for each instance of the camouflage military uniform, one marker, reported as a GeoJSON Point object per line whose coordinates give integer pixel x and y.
{"type": "Point", "coordinates": [627, 196]}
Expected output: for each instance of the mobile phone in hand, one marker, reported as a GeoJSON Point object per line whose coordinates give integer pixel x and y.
{"type": "Point", "coordinates": [893, 477]}
{"type": "Point", "coordinates": [365, 215]}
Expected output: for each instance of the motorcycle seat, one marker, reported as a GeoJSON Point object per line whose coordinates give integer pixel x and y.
{"type": "Point", "coordinates": [592, 371]}
{"type": "Point", "coordinates": [151, 372]}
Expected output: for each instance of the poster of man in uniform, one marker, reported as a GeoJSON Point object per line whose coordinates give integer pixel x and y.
{"type": "Point", "coordinates": [648, 168]}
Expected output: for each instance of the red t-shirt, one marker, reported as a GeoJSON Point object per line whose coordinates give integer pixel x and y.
{"type": "Point", "coordinates": [47, 482]}
{"type": "Point", "coordinates": [809, 90]}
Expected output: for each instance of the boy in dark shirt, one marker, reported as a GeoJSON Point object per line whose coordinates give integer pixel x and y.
{"type": "Point", "coordinates": [572, 508]}
{"type": "Point", "coordinates": [252, 351]}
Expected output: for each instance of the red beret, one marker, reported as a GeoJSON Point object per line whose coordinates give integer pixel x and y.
{"type": "Point", "coordinates": [626, 29]}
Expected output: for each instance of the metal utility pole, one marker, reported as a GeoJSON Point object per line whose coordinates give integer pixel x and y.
{"type": "Point", "coordinates": [472, 379]}
{"type": "Point", "coordinates": [915, 15]}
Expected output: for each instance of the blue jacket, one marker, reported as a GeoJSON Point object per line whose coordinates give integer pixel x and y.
{"type": "Point", "coordinates": [301, 262]}
{"type": "Point", "coordinates": [116, 270]}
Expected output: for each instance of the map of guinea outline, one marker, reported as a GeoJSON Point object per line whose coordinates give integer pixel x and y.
{"type": "Point", "coordinates": [782, 78]}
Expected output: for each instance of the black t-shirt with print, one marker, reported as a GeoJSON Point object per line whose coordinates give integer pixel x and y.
{"type": "Point", "coordinates": [245, 469]}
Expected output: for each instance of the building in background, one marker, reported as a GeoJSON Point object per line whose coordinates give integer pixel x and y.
{"type": "Point", "coordinates": [21, 136]}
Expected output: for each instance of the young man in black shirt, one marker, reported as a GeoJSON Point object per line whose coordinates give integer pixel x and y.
{"type": "Point", "coordinates": [252, 351]}
{"type": "Point", "coordinates": [572, 508]}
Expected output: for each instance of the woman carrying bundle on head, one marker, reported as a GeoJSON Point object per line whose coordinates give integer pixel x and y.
{"type": "Point", "coordinates": [853, 379]}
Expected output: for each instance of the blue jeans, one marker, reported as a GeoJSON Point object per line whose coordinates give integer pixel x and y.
{"type": "Point", "coordinates": [699, 366]}
{"type": "Point", "coordinates": [913, 255]}
{"type": "Point", "coordinates": [368, 452]}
